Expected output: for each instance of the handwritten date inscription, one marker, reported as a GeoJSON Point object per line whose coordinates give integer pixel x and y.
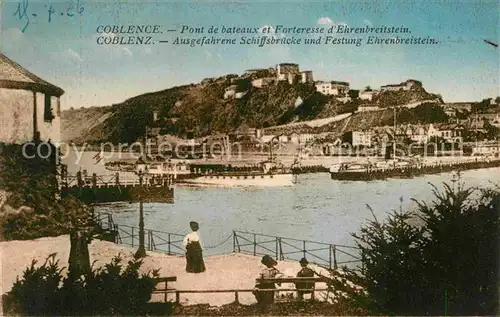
{"type": "Point", "coordinates": [25, 14]}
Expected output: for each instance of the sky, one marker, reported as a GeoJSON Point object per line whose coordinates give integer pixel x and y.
{"type": "Point", "coordinates": [64, 50]}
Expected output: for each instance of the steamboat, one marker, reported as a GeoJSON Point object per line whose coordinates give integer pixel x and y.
{"type": "Point", "coordinates": [265, 174]}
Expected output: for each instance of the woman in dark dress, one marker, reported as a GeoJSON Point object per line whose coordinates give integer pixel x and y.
{"type": "Point", "coordinates": [265, 299]}
{"type": "Point", "coordinates": [194, 250]}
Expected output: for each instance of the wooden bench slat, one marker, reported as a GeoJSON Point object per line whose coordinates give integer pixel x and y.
{"type": "Point", "coordinates": [248, 290]}
{"type": "Point", "coordinates": [291, 279]}
{"type": "Point", "coordinates": [166, 279]}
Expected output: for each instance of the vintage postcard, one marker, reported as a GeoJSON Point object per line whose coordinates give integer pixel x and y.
{"type": "Point", "coordinates": [249, 158]}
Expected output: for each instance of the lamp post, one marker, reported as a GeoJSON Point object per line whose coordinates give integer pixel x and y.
{"type": "Point", "coordinates": [141, 251]}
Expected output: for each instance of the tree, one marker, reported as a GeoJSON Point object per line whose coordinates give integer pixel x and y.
{"type": "Point", "coordinates": [492, 132]}
{"type": "Point", "coordinates": [444, 258]}
{"type": "Point", "coordinates": [243, 84]}
{"type": "Point", "coordinates": [482, 106]}
{"type": "Point", "coordinates": [424, 113]}
{"type": "Point", "coordinates": [462, 115]}
{"type": "Point", "coordinates": [497, 100]}
{"type": "Point", "coordinates": [368, 88]}
{"type": "Point", "coordinates": [311, 107]}
{"type": "Point", "coordinates": [354, 94]}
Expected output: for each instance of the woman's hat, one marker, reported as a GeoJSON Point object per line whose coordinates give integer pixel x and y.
{"type": "Point", "coordinates": [194, 225]}
{"type": "Point", "coordinates": [304, 261]}
{"type": "Point", "coordinates": [268, 261]}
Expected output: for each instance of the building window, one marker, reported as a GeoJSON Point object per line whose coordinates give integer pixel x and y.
{"type": "Point", "coordinates": [48, 116]}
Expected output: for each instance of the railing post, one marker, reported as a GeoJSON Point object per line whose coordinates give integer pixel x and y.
{"type": "Point", "coordinates": [234, 242]}
{"type": "Point", "coordinates": [166, 292]}
{"type": "Point", "coordinates": [236, 299]}
{"type": "Point", "coordinates": [281, 250]}
{"type": "Point", "coordinates": [177, 297]}
{"type": "Point", "coordinates": [118, 238]}
{"type": "Point", "coordinates": [79, 179]}
{"type": "Point", "coordinates": [330, 257]}
{"type": "Point", "coordinates": [153, 245]}
{"type": "Point", "coordinates": [169, 244]}
{"type": "Point", "coordinates": [335, 256]}
{"type": "Point", "coordinates": [132, 236]}
{"type": "Point", "coordinates": [237, 241]}
{"type": "Point", "coordinates": [110, 221]}
{"type": "Point", "coordinates": [277, 259]}
{"type": "Point", "coordinates": [304, 248]}
{"type": "Point", "coordinates": [149, 240]}
{"type": "Point", "coordinates": [254, 244]}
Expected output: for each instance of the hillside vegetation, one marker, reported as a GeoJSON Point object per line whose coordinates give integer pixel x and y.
{"type": "Point", "coordinates": [203, 110]}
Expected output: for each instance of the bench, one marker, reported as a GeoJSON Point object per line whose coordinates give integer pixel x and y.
{"type": "Point", "coordinates": [294, 280]}
{"type": "Point", "coordinates": [235, 291]}
{"type": "Point", "coordinates": [164, 290]}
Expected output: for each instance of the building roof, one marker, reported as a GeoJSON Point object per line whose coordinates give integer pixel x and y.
{"type": "Point", "coordinates": [14, 76]}
{"type": "Point", "coordinates": [452, 126]}
{"type": "Point", "coordinates": [393, 85]}
{"type": "Point", "coordinates": [288, 64]}
{"type": "Point", "coordinates": [340, 82]}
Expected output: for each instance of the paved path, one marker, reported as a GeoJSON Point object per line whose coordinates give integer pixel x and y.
{"type": "Point", "coordinates": [231, 271]}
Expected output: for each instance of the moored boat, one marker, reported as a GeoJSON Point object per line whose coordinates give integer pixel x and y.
{"type": "Point", "coordinates": [405, 169]}
{"type": "Point", "coordinates": [238, 180]}
{"type": "Point", "coordinates": [265, 174]}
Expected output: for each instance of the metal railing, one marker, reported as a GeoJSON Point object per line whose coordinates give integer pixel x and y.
{"type": "Point", "coordinates": [324, 254]}
{"type": "Point", "coordinates": [158, 241]}
{"type": "Point", "coordinates": [104, 220]}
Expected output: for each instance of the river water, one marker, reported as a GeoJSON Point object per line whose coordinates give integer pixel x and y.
{"type": "Point", "coordinates": [316, 208]}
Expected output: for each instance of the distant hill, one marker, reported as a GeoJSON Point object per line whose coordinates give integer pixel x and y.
{"type": "Point", "coordinates": [78, 125]}
{"type": "Point", "coordinates": [202, 109]}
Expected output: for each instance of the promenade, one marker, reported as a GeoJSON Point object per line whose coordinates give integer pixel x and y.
{"type": "Point", "coordinates": [229, 271]}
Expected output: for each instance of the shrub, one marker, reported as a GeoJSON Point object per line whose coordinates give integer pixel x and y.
{"type": "Point", "coordinates": [444, 258]}
{"type": "Point", "coordinates": [111, 290]}
{"type": "Point", "coordinates": [37, 292]}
